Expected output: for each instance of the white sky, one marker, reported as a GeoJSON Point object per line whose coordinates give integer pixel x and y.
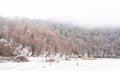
{"type": "Point", "coordinates": [81, 12]}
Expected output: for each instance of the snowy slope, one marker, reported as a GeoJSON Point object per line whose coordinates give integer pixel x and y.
{"type": "Point", "coordinates": [39, 64]}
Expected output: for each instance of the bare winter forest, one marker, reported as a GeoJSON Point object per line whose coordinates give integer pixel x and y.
{"type": "Point", "coordinates": [33, 37]}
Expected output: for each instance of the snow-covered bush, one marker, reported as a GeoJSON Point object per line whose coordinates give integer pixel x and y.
{"type": "Point", "coordinates": [20, 59]}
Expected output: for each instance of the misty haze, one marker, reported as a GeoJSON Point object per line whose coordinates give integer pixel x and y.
{"type": "Point", "coordinates": [59, 35]}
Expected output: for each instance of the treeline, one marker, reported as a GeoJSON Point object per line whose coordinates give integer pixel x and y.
{"type": "Point", "coordinates": [51, 38]}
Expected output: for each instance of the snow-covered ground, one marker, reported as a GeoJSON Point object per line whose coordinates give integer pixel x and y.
{"type": "Point", "coordinates": [39, 64]}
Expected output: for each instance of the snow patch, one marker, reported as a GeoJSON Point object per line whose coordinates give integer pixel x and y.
{"type": "Point", "coordinates": [38, 64]}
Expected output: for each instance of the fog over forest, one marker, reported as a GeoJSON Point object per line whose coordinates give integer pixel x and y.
{"type": "Point", "coordinates": [86, 13]}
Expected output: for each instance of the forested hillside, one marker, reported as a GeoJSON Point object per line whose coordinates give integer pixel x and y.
{"type": "Point", "coordinates": [42, 37]}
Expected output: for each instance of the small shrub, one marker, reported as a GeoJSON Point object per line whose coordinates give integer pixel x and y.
{"type": "Point", "coordinates": [67, 58]}
{"type": "Point", "coordinates": [50, 60]}
{"type": "Point", "coordinates": [20, 59]}
{"type": "Point", "coordinates": [88, 58]}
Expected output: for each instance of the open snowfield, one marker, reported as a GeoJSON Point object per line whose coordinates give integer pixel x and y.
{"type": "Point", "coordinates": [39, 64]}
